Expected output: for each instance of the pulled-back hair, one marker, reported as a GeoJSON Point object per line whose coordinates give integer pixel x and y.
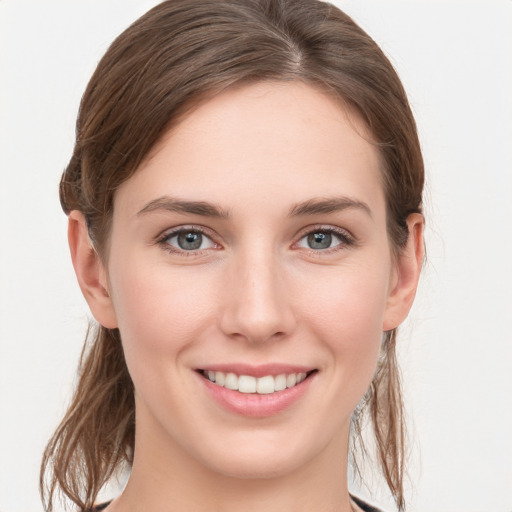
{"type": "Point", "coordinates": [180, 53]}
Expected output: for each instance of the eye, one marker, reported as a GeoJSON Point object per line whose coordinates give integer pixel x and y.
{"type": "Point", "coordinates": [187, 240]}
{"type": "Point", "coordinates": [323, 239]}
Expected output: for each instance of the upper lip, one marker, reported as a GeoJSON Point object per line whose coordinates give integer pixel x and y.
{"type": "Point", "coordinates": [257, 370]}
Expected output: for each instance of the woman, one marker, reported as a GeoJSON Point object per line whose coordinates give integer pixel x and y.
{"type": "Point", "coordinates": [244, 205]}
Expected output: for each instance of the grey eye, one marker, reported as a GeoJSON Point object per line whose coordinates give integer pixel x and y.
{"type": "Point", "coordinates": [190, 241]}
{"type": "Point", "coordinates": [319, 240]}
{"type": "Point", "coordinates": [323, 239]}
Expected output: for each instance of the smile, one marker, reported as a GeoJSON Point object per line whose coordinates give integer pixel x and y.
{"type": "Point", "coordinates": [256, 391]}
{"type": "Point", "coordinates": [265, 385]}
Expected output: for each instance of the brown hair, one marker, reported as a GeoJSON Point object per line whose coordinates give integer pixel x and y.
{"type": "Point", "coordinates": [178, 53]}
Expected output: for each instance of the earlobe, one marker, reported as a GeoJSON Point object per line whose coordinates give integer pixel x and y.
{"type": "Point", "coordinates": [90, 271]}
{"type": "Point", "coordinates": [408, 268]}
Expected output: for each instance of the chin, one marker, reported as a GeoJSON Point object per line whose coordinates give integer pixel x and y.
{"type": "Point", "coordinates": [261, 468]}
{"type": "Point", "coordinates": [264, 456]}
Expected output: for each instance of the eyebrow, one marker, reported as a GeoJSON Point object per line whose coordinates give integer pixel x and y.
{"type": "Point", "coordinates": [172, 204]}
{"type": "Point", "coordinates": [328, 205]}
{"type": "Point", "coordinates": [313, 206]}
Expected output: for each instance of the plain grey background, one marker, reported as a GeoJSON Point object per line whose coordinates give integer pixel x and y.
{"type": "Point", "coordinates": [456, 348]}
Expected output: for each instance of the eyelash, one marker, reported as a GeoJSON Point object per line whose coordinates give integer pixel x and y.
{"type": "Point", "coordinates": [163, 241]}
{"type": "Point", "coordinates": [346, 240]}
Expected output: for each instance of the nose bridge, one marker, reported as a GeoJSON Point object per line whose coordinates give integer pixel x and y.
{"type": "Point", "coordinates": [257, 305]}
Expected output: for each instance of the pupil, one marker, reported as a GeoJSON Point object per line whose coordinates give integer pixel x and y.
{"type": "Point", "coordinates": [190, 241]}
{"type": "Point", "coordinates": [319, 240]}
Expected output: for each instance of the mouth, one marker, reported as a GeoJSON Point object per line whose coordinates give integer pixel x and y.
{"type": "Point", "coordinates": [260, 391]}
{"type": "Point", "coordinates": [251, 384]}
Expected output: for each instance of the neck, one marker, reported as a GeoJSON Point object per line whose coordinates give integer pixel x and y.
{"type": "Point", "coordinates": [165, 478]}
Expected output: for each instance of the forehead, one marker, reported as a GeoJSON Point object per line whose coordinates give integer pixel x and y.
{"type": "Point", "coordinates": [284, 140]}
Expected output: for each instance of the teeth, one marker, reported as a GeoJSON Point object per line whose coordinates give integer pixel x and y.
{"type": "Point", "coordinates": [249, 384]}
{"type": "Point", "coordinates": [265, 385]}
{"type": "Point", "coordinates": [280, 382]}
{"type": "Point", "coordinates": [231, 381]}
{"type": "Point", "coordinates": [220, 378]}
{"type": "Point", "coordinates": [291, 380]}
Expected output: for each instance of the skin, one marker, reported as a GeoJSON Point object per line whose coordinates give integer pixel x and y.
{"type": "Point", "coordinates": [255, 292]}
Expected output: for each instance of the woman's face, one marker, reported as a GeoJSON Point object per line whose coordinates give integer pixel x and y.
{"type": "Point", "coordinates": [251, 249]}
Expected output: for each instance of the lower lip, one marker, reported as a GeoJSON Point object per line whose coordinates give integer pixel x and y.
{"type": "Point", "coordinates": [254, 405]}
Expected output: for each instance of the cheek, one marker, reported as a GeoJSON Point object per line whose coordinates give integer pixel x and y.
{"type": "Point", "coordinates": [351, 300]}
{"type": "Point", "coordinates": [347, 313]}
{"type": "Point", "coordinates": [159, 311]}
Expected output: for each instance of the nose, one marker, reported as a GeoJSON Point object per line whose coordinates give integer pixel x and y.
{"type": "Point", "coordinates": [257, 303]}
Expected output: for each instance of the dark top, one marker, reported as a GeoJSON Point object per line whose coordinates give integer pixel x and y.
{"type": "Point", "coordinates": [97, 508]}
{"type": "Point", "coordinates": [364, 506]}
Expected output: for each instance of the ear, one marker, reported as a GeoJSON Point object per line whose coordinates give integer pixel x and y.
{"type": "Point", "coordinates": [406, 275]}
{"type": "Point", "coordinates": [90, 271]}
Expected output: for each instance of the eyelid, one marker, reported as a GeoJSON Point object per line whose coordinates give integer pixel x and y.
{"type": "Point", "coordinates": [346, 237]}
{"type": "Point", "coordinates": [169, 233]}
